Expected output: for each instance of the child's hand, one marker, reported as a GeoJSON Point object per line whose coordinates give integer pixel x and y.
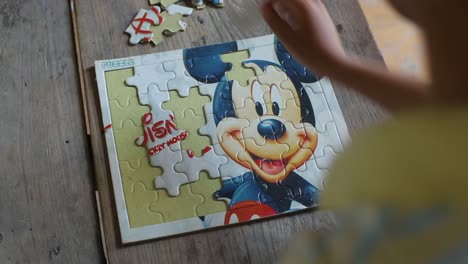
{"type": "Point", "coordinates": [307, 31]}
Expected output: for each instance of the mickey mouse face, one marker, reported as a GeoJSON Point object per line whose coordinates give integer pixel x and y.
{"type": "Point", "coordinates": [267, 136]}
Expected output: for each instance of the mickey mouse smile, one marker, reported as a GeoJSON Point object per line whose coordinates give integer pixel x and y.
{"type": "Point", "coordinates": [269, 166]}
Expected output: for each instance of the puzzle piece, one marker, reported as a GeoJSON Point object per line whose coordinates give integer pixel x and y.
{"type": "Point", "coordinates": [143, 172]}
{"type": "Point", "coordinates": [231, 169]}
{"type": "Point", "coordinates": [312, 173]}
{"type": "Point", "coordinates": [301, 72]}
{"type": "Point", "coordinates": [223, 99]}
{"type": "Point", "coordinates": [170, 179]}
{"type": "Point", "coordinates": [331, 139]}
{"type": "Point", "coordinates": [133, 154]}
{"type": "Point", "coordinates": [253, 93]}
{"type": "Point", "coordinates": [264, 53]}
{"type": "Point", "coordinates": [322, 110]}
{"type": "Point", "coordinates": [127, 116]}
{"type": "Point", "coordinates": [172, 24]}
{"type": "Point", "coordinates": [268, 75]}
{"type": "Point", "coordinates": [147, 86]}
{"type": "Point", "coordinates": [122, 98]}
{"type": "Point", "coordinates": [206, 187]}
{"type": "Point", "coordinates": [176, 9]}
{"type": "Point", "coordinates": [192, 165]}
{"type": "Point", "coordinates": [164, 3]}
{"type": "Point", "coordinates": [327, 159]}
{"type": "Point", "coordinates": [140, 27]}
{"type": "Point", "coordinates": [174, 208]}
{"type": "Point", "coordinates": [314, 87]}
{"type": "Point", "coordinates": [207, 69]}
{"type": "Point", "coordinates": [196, 143]}
{"type": "Point", "coordinates": [178, 105]}
{"type": "Point", "coordinates": [182, 81]}
{"type": "Point", "coordinates": [139, 196]}
{"type": "Point", "coordinates": [238, 71]}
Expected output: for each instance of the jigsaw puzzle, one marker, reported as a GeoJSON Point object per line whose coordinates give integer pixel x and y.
{"type": "Point", "coordinates": [217, 135]}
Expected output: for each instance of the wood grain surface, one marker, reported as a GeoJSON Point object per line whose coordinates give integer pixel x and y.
{"type": "Point", "coordinates": [47, 205]}
{"type": "Point", "coordinates": [47, 211]}
{"type": "Point", "coordinates": [101, 25]}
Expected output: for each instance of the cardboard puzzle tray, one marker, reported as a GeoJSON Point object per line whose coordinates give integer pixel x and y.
{"type": "Point", "coordinates": [217, 135]}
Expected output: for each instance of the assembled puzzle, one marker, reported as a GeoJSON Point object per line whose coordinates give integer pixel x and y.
{"type": "Point", "coordinates": [217, 135]}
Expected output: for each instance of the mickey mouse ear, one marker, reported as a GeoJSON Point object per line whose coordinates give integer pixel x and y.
{"type": "Point", "coordinates": [204, 63]}
{"type": "Point", "coordinates": [293, 67]}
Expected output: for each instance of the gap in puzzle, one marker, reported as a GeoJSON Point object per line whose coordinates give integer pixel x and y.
{"type": "Point", "coordinates": [217, 135]}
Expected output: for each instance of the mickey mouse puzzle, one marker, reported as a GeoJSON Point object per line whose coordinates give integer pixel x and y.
{"type": "Point", "coordinates": [211, 136]}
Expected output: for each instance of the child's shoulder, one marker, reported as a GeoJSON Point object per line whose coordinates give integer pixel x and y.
{"type": "Point", "coordinates": [416, 157]}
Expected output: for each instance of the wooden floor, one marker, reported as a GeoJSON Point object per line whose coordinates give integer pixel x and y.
{"type": "Point", "coordinates": [49, 170]}
{"type": "Point", "coordinates": [400, 41]}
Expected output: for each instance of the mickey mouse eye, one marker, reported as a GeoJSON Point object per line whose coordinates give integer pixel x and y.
{"type": "Point", "coordinates": [275, 99]}
{"type": "Point", "coordinates": [257, 95]}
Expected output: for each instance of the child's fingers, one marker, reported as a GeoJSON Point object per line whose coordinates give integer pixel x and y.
{"type": "Point", "coordinates": [276, 23]}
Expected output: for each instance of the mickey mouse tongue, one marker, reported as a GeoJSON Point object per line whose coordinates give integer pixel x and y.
{"type": "Point", "coordinates": [272, 167]}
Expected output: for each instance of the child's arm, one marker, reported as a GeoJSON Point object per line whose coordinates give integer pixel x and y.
{"type": "Point", "coordinates": [307, 30]}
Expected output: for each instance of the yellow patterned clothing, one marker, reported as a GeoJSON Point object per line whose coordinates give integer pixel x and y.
{"type": "Point", "coordinates": [400, 193]}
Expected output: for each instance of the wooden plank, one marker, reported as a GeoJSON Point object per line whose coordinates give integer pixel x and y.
{"type": "Point", "coordinates": [101, 24]}
{"type": "Point", "coordinates": [76, 38]}
{"type": "Point", "coordinates": [47, 208]}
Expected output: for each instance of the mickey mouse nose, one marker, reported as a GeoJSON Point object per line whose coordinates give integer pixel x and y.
{"type": "Point", "coordinates": [271, 129]}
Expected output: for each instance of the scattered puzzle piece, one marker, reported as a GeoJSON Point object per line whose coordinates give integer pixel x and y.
{"type": "Point", "coordinates": [172, 24]}
{"type": "Point", "coordinates": [140, 27]}
{"type": "Point", "coordinates": [164, 3]}
{"type": "Point", "coordinates": [177, 9]}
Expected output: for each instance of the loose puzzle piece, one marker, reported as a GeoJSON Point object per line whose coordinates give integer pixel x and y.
{"type": "Point", "coordinates": [172, 24]}
{"type": "Point", "coordinates": [164, 3]}
{"type": "Point", "coordinates": [140, 27]}
{"type": "Point", "coordinates": [178, 9]}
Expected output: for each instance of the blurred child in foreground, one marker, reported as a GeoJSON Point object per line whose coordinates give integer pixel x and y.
{"type": "Point", "coordinates": [399, 189]}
